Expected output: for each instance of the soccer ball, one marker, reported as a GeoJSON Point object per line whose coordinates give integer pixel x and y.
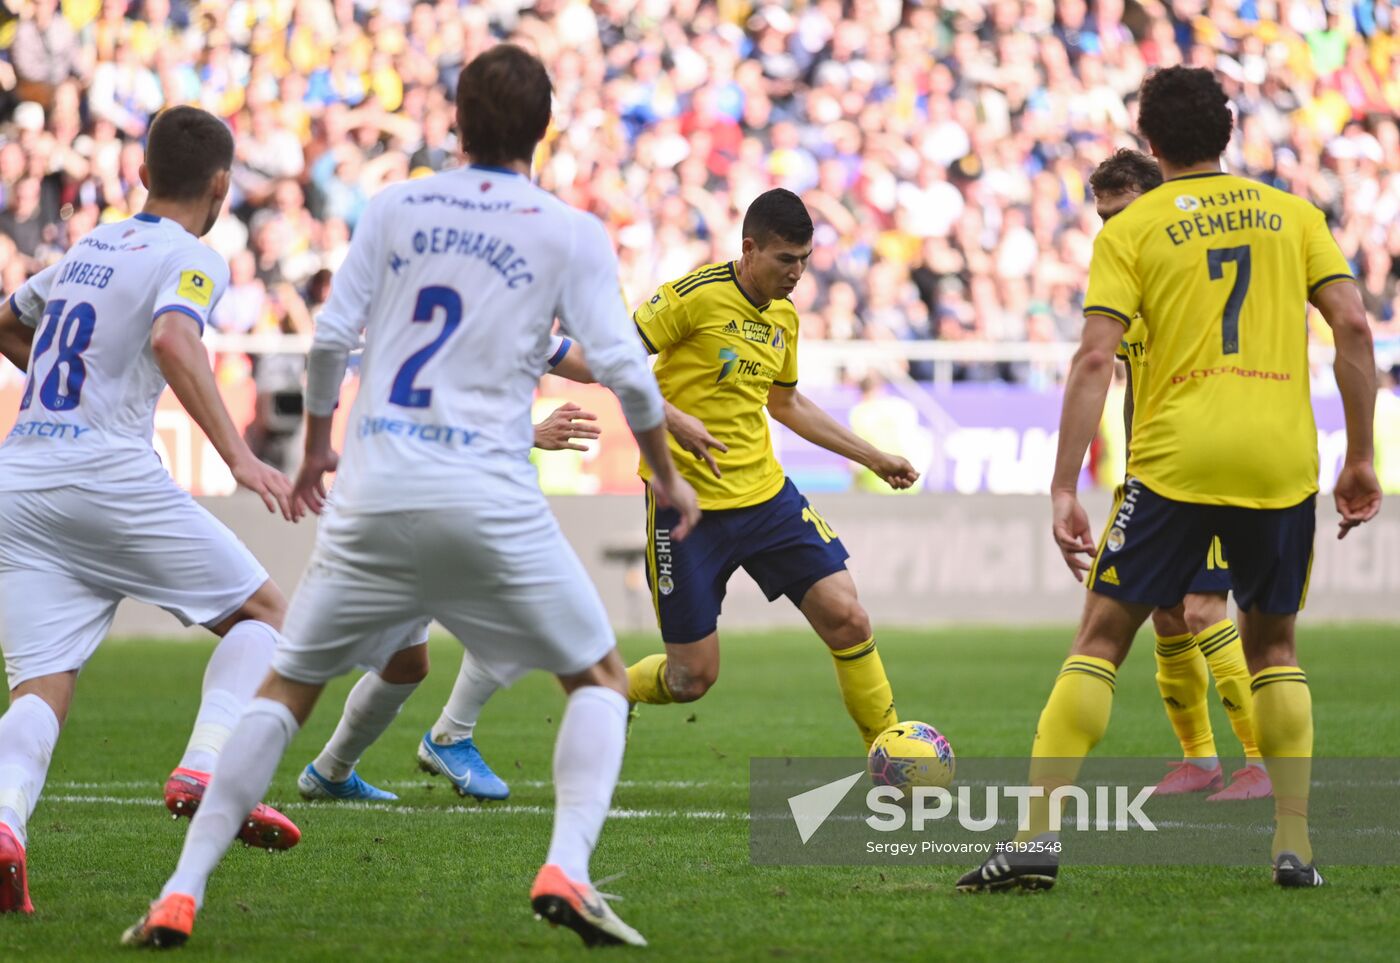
{"type": "Point", "coordinates": [911, 754]}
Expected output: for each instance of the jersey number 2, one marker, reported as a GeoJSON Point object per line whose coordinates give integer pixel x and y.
{"type": "Point", "coordinates": [1216, 258]}
{"type": "Point", "coordinates": [430, 301]}
{"type": "Point", "coordinates": [74, 335]}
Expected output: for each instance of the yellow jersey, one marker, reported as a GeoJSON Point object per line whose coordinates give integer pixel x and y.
{"type": "Point", "coordinates": [718, 354]}
{"type": "Point", "coordinates": [1221, 269]}
{"type": "Point", "coordinates": [1132, 351]}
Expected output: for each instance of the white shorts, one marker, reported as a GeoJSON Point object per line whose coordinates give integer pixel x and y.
{"type": "Point", "coordinates": [500, 577]}
{"type": "Point", "coordinates": [69, 555]}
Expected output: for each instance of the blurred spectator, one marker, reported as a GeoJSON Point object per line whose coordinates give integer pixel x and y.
{"type": "Point", "coordinates": [942, 146]}
{"type": "Point", "coordinates": [44, 52]}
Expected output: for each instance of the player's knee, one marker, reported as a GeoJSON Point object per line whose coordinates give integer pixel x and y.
{"type": "Point", "coordinates": [408, 666]}
{"type": "Point", "coordinates": [267, 605]}
{"type": "Point", "coordinates": [1168, 623]}
{"type": "Point", "coordinates": [1203, 611]}
{"type": "Point", "coordinates": [688, 683]}
{"type": "Point", "coordinates": [848, 624]}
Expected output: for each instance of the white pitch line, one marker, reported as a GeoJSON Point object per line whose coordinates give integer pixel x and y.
{"type": "Point", "coordinates": [481, 810]}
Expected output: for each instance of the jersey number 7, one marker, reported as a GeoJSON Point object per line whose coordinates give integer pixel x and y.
{"type": "Point", "coordinates": [1216, 258]}
{"type": "Point", "coordinates": [430, 300]}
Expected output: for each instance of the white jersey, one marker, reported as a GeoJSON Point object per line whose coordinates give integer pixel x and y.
{"type": "Point", "coordinates": [455, 281]}
{"type": "Point", "coordinates": [87, 413]}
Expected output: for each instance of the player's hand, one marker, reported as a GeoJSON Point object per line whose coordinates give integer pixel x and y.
{"type": "Point", "coordinates": [675, 492]}
{"type": "Point", "coordinates": [1072, 534]}
{"type": "Point", "coordinates": [309, 492]}
{"type": "Point", "coordinates": [564, 424]}
{"type": "Point", "coordinates": [692, 435]}
{"type": "Point", "coordinates": [896, 471]}
{"type": "Point", "coordinates": [270, 484]}
{"type": "Point", "coordinates": [1358, 495]}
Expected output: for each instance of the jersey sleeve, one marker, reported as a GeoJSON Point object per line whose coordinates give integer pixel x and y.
{"type": "Point", "coordinates": [1115, 290]}
{"type": "Point", "coordinates": [591, 309]}
{"type": "Point", "coordinates": [787, 374]}
{"type": "Point", "coordinates": [663, 320]}
{"type": "Point", "coordinates": [558, 347]}
{"type": "Point", "coordinates": [28, 302]}
{"type": "Point", "coordinates": [340, 323]}
{"type": "Point", "coordinates": [1326, 263]}
{"type": "Point", "coordinates": [192, 281]}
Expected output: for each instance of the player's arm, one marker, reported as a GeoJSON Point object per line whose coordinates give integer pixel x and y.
{"type": "Point", "coordinates": [566, 361]}
{"type": "Point", "coordinates": [792, 408]}
{"type": "Point", "coordinates": [181, 355]}
{"type": "Point", "coordinates": [20, 313]}
{"type": "Point", "coordinates": [1128, 408]}
{"type": "Point", "coordinates": [592, 311]}
{"type": "Point", "coordinates": [1357, 493]}
{"type": "Point", "coordinates": [16, 337]}
{"type": "Point", "coordinates": [339, 329]}
{"type": "Point", "coordinates": [1086, 391]}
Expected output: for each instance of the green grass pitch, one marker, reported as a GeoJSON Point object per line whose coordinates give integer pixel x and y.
{"type": "Point", "coordinates": [441, 878]}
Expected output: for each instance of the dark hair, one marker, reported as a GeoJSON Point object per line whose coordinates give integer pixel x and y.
{"type": "Point", "coordinates": [1185, 115]}
{"type": "Point", "coordinates": [1126, 170]}
{"type": "Point", "coordinates": [185, 148]}
{"type": "Point", "coordinates": [503, 105]}
{"type": "Point", "coordinates": [778, 213]}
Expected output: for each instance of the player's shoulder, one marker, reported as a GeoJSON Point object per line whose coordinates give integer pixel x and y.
{"type": "Point", "coordinates": [702, 284]}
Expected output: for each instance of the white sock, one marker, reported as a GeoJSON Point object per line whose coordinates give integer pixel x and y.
{"type": "Point", "coordinates": [1204, 762]}
{"type": "Point", "coordinates": [369, 709]}
{"type": "Point", "coordinates": [241, 777]}
{"type": "Point", "coordinates": [469, 694]}
{"type": "Point", "coordinates": [28, 733]}
{"type": "Point", "coordinates": [236, 669]}
{"type": "Point", "coordinates": [587, 760]}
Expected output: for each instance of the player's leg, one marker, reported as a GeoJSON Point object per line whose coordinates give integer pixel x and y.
{"type": "Point", "coordinates": [52, 623]}
{"type": "Point", "coordinates": [1146, 560]}
{"type": "Point", "coordinates": [238, 665]}
{"type": "Point", "coordinates": [342, 615]}
{"type": "Point", "coordinates": [175, 554]}
{"type": "Point", "coordinates": [512, 585]}
{"type": "Point", "coordinates": [587, 762]}
{"type": "Point", "coordinates": [28, 734]}
{"type": "Point", "coordinates": [835, 612]}
{"type": "Point", "coordinates": [448, 748]}
{"type": "Point", "coordinates": [1182, 682]}
{"type": "Point", "coordinates": [789, 549]}
{"type": "Point", "coordinates": [1270, 561]}
{"type": "Point", "coordinates": [372, 705]}
{"type": "Point", "coordinates": [1208, 616]}
{"type": "Point", "coordinates": [242, 774]}
{"type": "Point", "coordinates": [687, 581]}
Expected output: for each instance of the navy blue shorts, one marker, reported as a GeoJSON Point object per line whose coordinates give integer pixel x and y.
{"type": "Point", "coordinates": [1151, 552]}
{"type": "Point", "coordinates": [782, 543]}
{"type": "Point", "coordinates": [1213, 576]}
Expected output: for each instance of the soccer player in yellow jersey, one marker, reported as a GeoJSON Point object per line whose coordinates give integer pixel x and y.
{"type": "Point", "coordinates": [726, 340]}
{"type": "Point", "coordinates": [1198, 634]}
{"type": "Point", "coordinates": [1221, 269]}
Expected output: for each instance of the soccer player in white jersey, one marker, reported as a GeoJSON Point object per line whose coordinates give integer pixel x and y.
{"type": "Point", "coordinates": [88, 515]}
{"type": "Point", "coordinates": [456, 281]}
{"type": "Point", "coordinates": [447, 749]}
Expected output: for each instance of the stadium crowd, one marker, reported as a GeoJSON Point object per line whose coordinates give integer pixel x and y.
{"type": "Point", "coordinates": [943, 147]}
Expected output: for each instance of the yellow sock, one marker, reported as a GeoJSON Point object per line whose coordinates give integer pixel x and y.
{"type": "Point", "coordinates": [1220, 644]}
{"type": "Point", "coordinates": [865, 689]}
{"type": "Point", "coordinates": [1181, 678]}
{"type": "Point", "coordinates": [1283, 723]}
{"type": "Point", "coordinates": [1072, 723]}
{"type": "Point", "coordinates": [646, 681]}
